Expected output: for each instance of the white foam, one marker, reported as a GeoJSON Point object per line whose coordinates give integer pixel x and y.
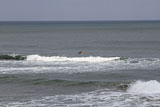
{"type": "Point", "coordinates": [150, 87]}
{"type": "Point", "coordinates": [60, 64]}
{"type": "Point", "coordinates": [73, 59]}
{"type": "Point", "coordinates": [97, 98]}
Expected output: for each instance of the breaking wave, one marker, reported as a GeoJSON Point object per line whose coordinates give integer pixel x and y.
{"type": "Point", "coordinates": [151, 86]}
{"type": "Point", "coordinates": [57, 58]}
{"type": "Point", "coordinates": [15, 64]}
{"type": "Point", "coordinates": [75, 59]}
{"type": "Point", "coordinates": [37, 57]}
{"type": "Point", "coordinates": [98, 98]}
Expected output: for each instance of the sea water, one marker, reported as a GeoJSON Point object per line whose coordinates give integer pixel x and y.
{"type": "Point", "coordinates": [40, 65]}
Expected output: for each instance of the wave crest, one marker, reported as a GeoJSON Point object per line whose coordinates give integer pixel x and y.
{"type": "Point", "coordinates": [151, 86]}
{"type": "Point", "coordinates": [74, 59]}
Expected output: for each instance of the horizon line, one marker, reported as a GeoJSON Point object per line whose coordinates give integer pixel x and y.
{"type": "Point", "coordinates": [71, 20]}
{"type": "Point", "coordinates": [79, 21]}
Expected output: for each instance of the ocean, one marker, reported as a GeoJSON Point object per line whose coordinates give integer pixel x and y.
{"type": "Point", "coordinates": [40, 64]}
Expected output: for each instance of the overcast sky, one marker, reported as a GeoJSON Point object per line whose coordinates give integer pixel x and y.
{"type": "Point", "coordinates": [72, 10]}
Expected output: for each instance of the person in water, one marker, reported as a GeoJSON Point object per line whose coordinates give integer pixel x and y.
{"type": "Point", "coordinates": [81, 52]}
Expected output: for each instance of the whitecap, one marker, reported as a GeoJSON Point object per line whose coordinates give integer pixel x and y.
{"type": "Point", "coordinates": [70, 59]}
{"type": "Point", "coordinates": [150, 87]}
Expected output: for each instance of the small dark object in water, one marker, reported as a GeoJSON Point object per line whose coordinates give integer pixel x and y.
{"type": "Point", "coordinates": [81, 52]}
{"type": "Point", "coordinates": [123, 87]}
{"type": "Point", "coordinates": [12, 57]}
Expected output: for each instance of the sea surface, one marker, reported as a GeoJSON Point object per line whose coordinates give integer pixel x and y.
{"type": "Point", "coordinates": [40, 65]}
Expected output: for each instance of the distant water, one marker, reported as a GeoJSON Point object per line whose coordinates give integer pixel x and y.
{"type": "Point", "coordinates": [40, 65]}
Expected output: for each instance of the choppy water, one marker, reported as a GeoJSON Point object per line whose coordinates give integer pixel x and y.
{"type": "Point", "coordinates": [40, 65]}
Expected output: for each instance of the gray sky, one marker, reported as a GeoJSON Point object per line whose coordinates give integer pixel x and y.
{"type": "Point", "coordinates": [57, 10]}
